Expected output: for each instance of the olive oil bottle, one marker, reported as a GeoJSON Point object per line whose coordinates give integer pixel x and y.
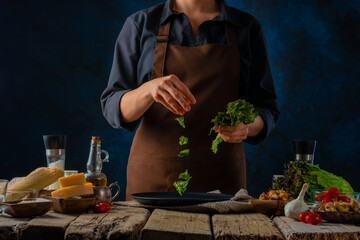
{"type": "Point", "coordinates": [94, 163]}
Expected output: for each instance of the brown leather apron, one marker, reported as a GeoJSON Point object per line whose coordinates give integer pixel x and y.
{"type": "Point", "coordinates": [212, 74]}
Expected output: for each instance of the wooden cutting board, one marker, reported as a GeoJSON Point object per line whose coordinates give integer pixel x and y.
{"type": "Point", "coordinates": [269, 207]}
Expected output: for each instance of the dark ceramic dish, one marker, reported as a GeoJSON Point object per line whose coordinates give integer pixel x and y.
{"type": "Point", "coordinates": [340, 217]}
{"type": "Point", "coordinates": [174, 199]}
{"type": "Point", "coordinates": [71, 205]}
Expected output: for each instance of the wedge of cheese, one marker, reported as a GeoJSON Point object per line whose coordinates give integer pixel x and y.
{"type": "Point", "coordinates": [74, 191]}
{"type": "Point", "coordinates": [76, 179]}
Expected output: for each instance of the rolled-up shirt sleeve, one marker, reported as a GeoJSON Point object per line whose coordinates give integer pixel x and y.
{"type": "Point", "coordinates": [260, 90]}
{"type": "Point", "coordinates": [123, 75]}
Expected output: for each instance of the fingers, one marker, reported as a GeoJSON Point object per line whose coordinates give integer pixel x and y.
{"type": "Point", "coordinates": [177, 95]}
{"type": "Point", "coordinates": [183, 89]}
{"type": "Point", "coordinates": [233, 134]}
{"type": "Point", "coordinates": [173, 94]}
{"type": "Point", "coordinates": [165, 99]}
{"type": "Point", "coordinates": [240, 126]}
{"type": "Point", "coordinates": [233, 138]}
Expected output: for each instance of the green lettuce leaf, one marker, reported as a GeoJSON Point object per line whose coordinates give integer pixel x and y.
{"type": "Point", "coordinates": [327, 180]}
{"type": "Point", "coordinates": [183, 140]}
{"type": "Point", "coordinates": [181, 186]}
{"type": "Point", "coordinates": [216, 142]}
{"type": "Point", "coordinates": [184, 153]}
{"type": "Point", "coordinates": [181, 121]}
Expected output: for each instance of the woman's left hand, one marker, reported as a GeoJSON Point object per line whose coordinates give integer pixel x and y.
{"type": "Point", "coordinates": [233, 134]}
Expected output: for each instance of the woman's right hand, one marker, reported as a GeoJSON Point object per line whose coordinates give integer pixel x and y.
{"type": "Point", "coordinates": [172, 93]}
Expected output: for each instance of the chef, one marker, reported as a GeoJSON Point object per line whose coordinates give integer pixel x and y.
{"type": "Point", "coordinates": [188, 58]}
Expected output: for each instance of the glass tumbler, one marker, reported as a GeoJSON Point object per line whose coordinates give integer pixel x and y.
{"type": "Point", "coordinates": [55, 153]}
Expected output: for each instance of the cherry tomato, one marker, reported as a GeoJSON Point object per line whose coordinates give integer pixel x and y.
{"type": "Point", "coordinates": [344, 199]}
{"type": "Point", "coordinates": [101, 207]}
{"type": "Point", "coordinates": [303, 215]}
{"type": "Point", "coordinates": [313, 218]}
{"type": "Point", "coordinates": [332, 193]}
{"type": "Point", "coordinates": [319, 196]}
{"type": "Point", "coordinates": [326, 200]}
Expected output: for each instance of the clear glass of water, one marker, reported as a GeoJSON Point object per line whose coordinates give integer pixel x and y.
{"type": "Point", "coordinates": [55, 158]}
{"type": "Point", "coordinates": [55, 153]}
{"type": "Point", "coordinates": [55, 150]}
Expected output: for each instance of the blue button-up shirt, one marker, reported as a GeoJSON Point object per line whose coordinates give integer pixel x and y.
{"type": "Point", "coordinates": [134, 52]}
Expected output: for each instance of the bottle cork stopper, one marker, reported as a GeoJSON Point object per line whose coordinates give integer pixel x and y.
{"type": "Point", "coordinates": [95, 139]}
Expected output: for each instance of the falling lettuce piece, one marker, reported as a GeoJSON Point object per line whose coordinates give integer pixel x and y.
{"type": "Point", "coordinates": [183, 140]}
{"type": "Point", "coordinates": [181, 121]}
{"type": "Point", "coordinates": [185, 175]}
{"type": "Point", "coordinates": [184, 153]}
{"type": "Point", "coordinates": [182, 185]}
{"type": "Point", "coordinates": [236, 112]}
{"type": "Point", "coordinates": [216, 142]}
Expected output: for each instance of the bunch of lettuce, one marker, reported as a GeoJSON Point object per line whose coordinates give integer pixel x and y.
{"type": "Point", "coordinates": [299, 172]}
{"type": "Point", "coordinates": [236, 112]}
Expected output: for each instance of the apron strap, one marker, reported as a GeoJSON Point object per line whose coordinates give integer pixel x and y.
{"type": "Point", "coordinates": [230, 35]}
{"type": "Point", "coordinates": [162, 40]}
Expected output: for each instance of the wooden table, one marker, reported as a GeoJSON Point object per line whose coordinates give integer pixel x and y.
{"type": "Point", "coordinates": [140, 223]}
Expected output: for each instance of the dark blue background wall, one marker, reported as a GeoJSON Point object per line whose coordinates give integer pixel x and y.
{"type": "Point", "coordinates": [56, 57]}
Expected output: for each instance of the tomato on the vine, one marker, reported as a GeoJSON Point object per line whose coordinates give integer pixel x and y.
{"type": "Point", "coordinates": [101, 207]}
{"type": "Point", "coordinates": [303, 215]}
{"type": "Point", "coordinates": [313, 218]}
{"type": "Point", "coordinates": [343, 199]}
{"type": "Point", "coordinates": [326, 200]}
{"type": "Point", "coordinates": [332, 193]}
{"type": "Point", "coordinates": [319, 196]}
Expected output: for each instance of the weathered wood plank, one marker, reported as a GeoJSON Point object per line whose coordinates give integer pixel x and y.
{"type": "Point", "coordinates": [164, 224]}
{"type": "Point", "coordinates": [118, 223]}
{"type": "Point", "coordinates": [244, 226]}
{"type": "Point", "coordinates": [292, 230]}
{"type": "Point", "coordinates": [49, 226]}
{"type": "Point", "coordinates": [10, 227]}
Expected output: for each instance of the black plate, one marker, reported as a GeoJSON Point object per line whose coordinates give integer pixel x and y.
{"type": "Point", "coordinates": [174, 199]}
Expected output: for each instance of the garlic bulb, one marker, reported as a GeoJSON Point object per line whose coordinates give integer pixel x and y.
{"type": "Point", "coordinates": [297, 206]}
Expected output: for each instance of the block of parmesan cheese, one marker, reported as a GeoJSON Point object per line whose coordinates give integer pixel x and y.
{"type": "Point", "coordinates": [71, 180]}
{"type": "Point", "coordinates": [74, 191]}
